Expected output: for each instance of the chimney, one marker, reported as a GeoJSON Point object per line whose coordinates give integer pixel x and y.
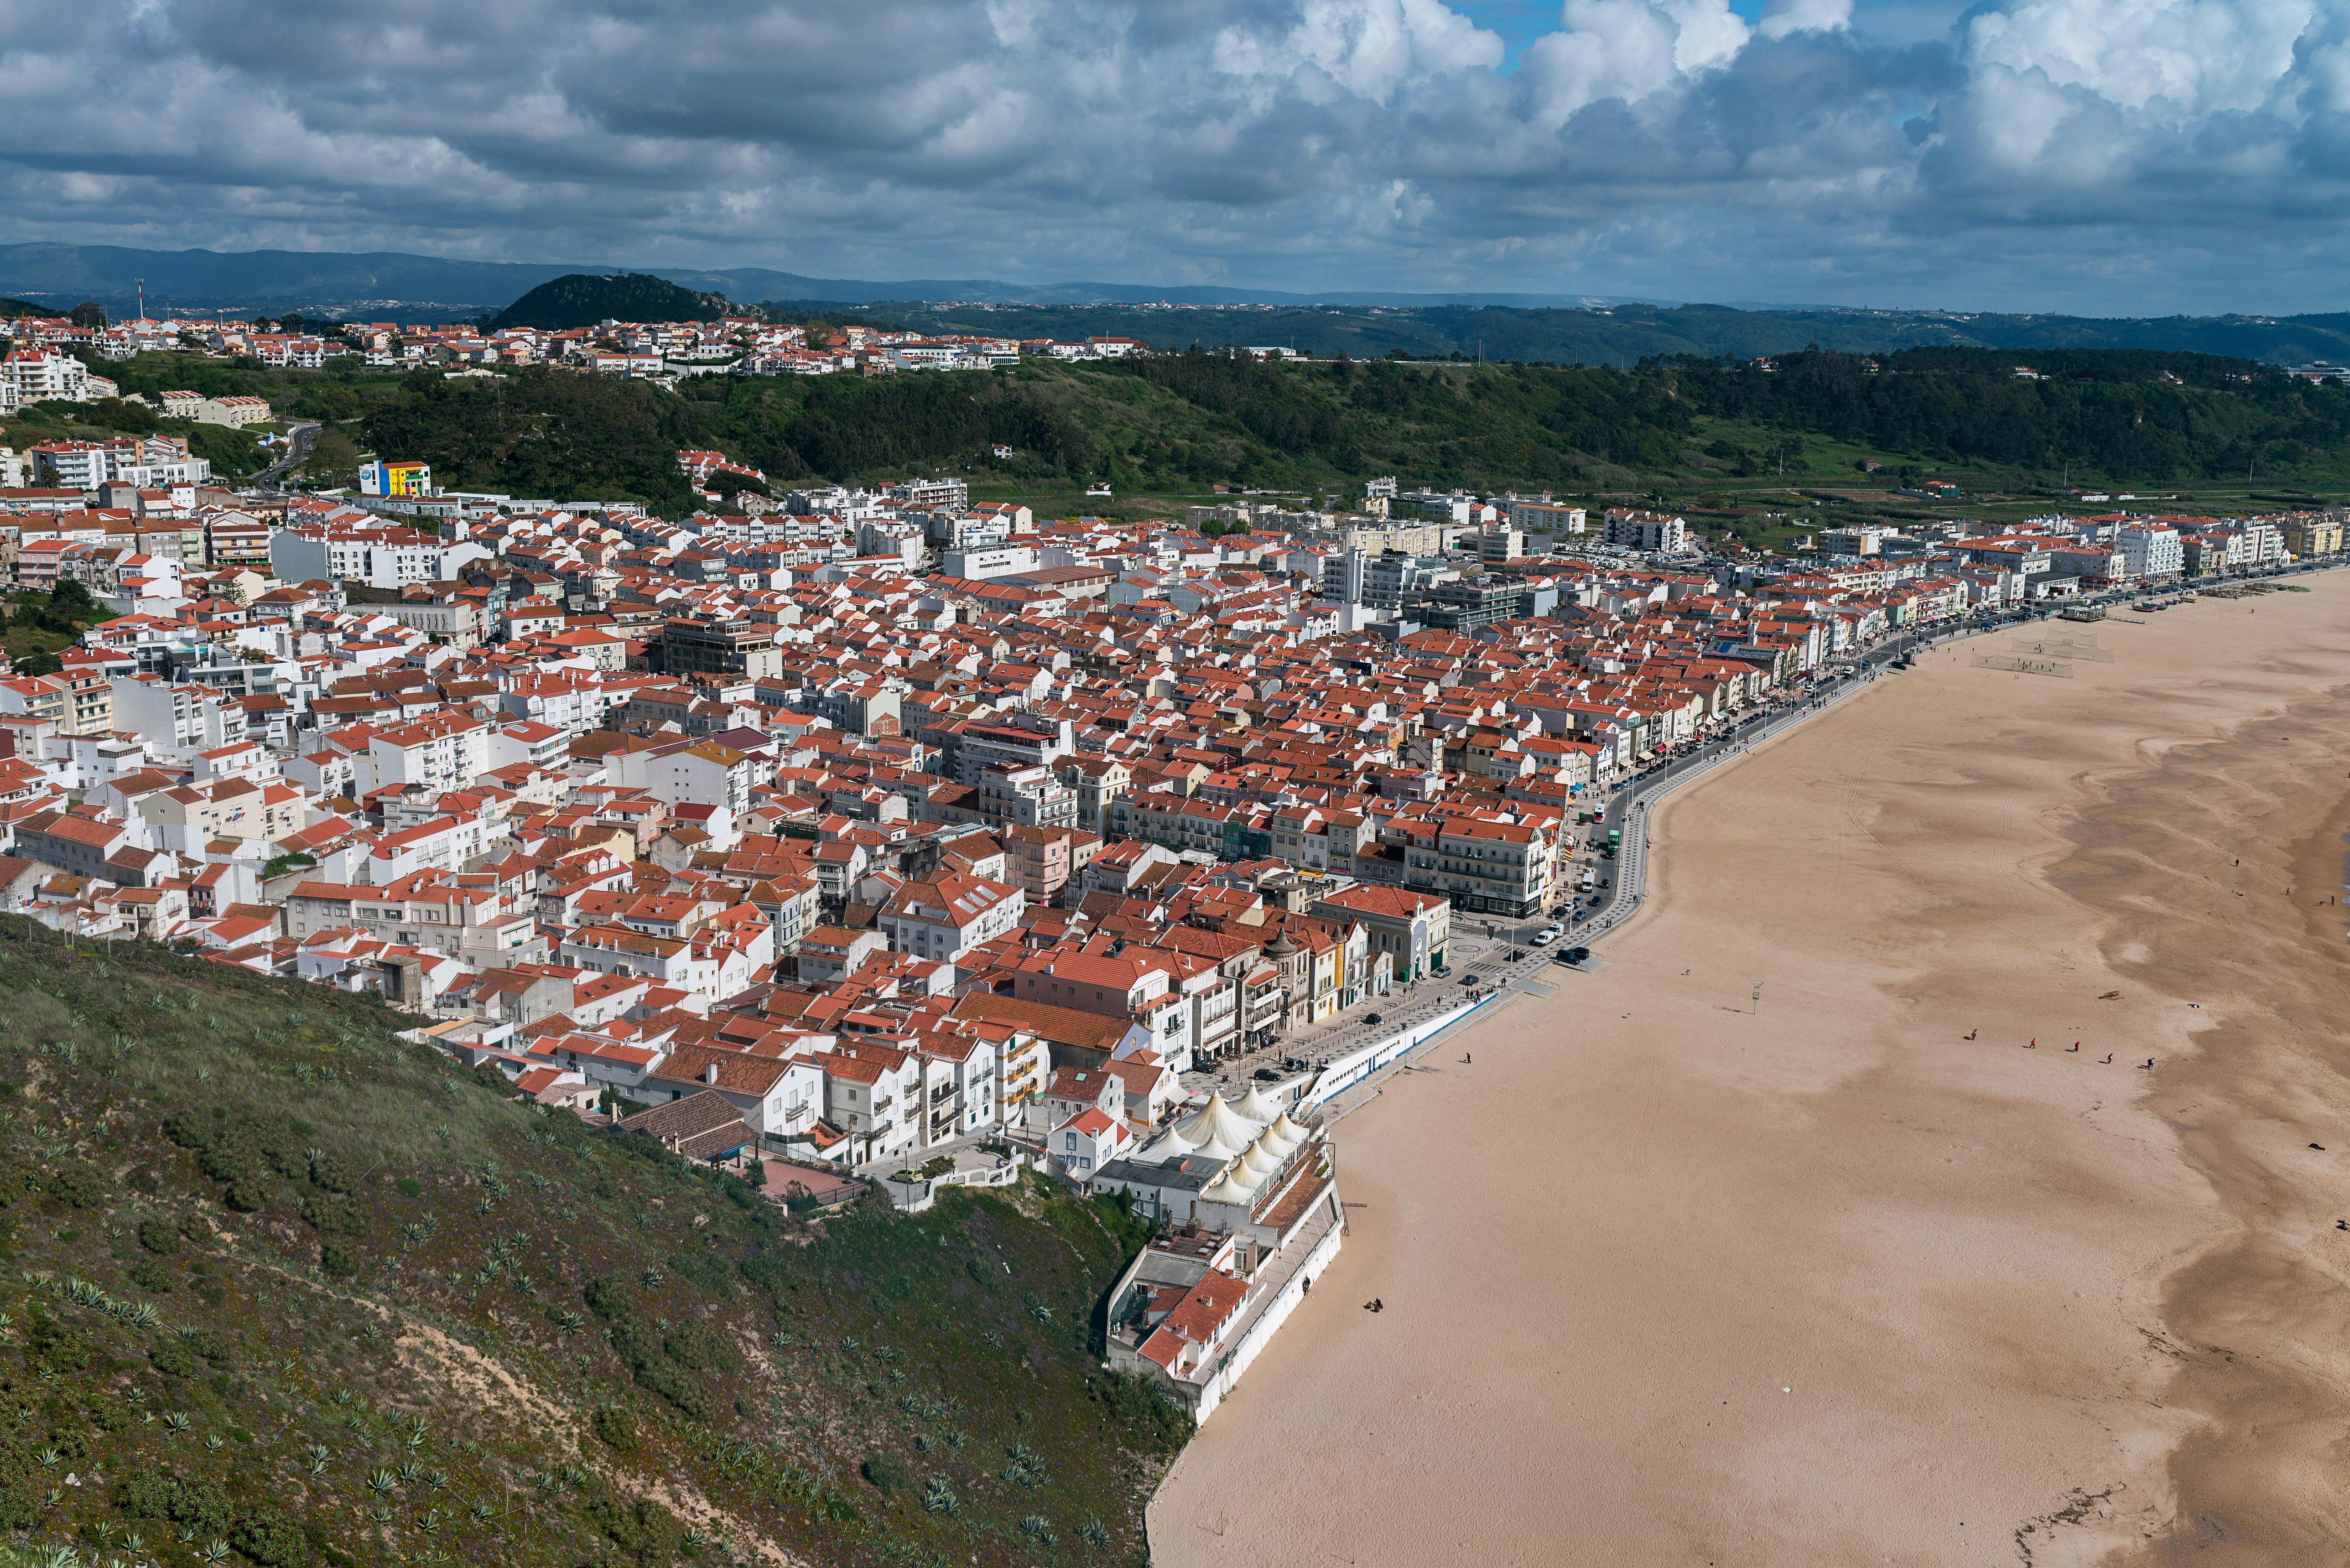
{"type": "Point", "coordinates": [710, 1074]}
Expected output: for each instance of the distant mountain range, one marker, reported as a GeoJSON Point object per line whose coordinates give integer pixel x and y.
{"type": "Point", "coordinates": [1564, 327]}
{"type": "Point", "coordinates": [386, 281]}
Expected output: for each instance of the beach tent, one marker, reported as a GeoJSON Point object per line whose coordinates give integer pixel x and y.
{"type": "Point", "coordinates": [1262, 1158]}
{"type": "Point", "coordinates": [1170, 1146]}
{"type": "Point", "coordinates": [1217, 1120]}
{"type": "Point", "coordinates": [1288, 1131]}
{"type": "Point", "coordinates": [1255, 1106]}
{"type": "Point", "coordinates": [1274, 1143]}
{"type": "Point", "coordinates": [1217, 1149]}
{"type": "Point", "coordinates": [1225, 1191]}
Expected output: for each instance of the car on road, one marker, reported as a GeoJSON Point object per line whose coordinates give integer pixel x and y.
{"type": "Point", "coordinates": [1554, 930]}
{"type": "Point", "coordinates": [1266, 1075]}
{"type": "Point", "coordinates": [1576, 955]}
{"type": "Point", "coordinates": [1371, 1018]}
{"type": "Point", "coordinates": [1442, 972]}
{"type": "Point", "coordinates": [1544, 939]}
{"type": "Point", "coordinates": [1469, 979]}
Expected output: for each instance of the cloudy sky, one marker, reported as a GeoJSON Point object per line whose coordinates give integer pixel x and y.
{"type": "Point", "coordinates": [2104, 156]}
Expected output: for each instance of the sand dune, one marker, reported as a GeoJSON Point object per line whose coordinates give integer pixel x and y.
{"type": "Point", "coordinates": [1670, 1281]}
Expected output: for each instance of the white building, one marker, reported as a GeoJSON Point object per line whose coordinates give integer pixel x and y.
{"type": "Point", "coordinates": [382, 558]}
{"type": "Point", "coordinates": [2148, 550]}
{"type": "Point", "coordinates": [947, 918]}
{"type": "Point", "coordinates": [1647, 531]}
{"type": "Point", "coordinates": [31, 375]}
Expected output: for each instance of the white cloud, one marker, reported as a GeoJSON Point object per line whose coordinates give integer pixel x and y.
{"type": "Point", "coordinates": [2196, 57]}
{"type": "Point", "coordinates": [1368, 48]}
{"type": "Point", "coordinates": [1648, 146]}
{"type": "Point", "coordinates": [1780, 18]}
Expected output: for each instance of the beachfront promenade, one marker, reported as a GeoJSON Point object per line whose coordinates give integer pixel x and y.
{"type": "Point", "coordinates": [1351, 1063]}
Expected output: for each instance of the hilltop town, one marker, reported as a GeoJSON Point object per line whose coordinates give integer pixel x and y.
{"type": "Point", "coordinates": [876, 834]}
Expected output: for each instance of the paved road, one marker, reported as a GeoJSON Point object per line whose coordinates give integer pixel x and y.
{"type": "Point", "coordinates": [298, 440]}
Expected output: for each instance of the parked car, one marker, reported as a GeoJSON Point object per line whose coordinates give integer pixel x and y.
{"type": "Point", "coordinates": [1469, 979]}
{"type": "Point", "coordinates": [1266, 1075]}
{"type": "Point", "coordinates": [1576, 955]}
{"type": "Point", "coordinates": [1544, 939]}
{"type": "Point", "coordinates": [1371, 1018]}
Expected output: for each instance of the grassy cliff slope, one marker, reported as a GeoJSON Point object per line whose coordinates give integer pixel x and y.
{"type": "Point", "coordinates": [285, 1289]}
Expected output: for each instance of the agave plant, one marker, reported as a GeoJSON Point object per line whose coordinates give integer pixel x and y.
{"type": "Point", "coordinates": [480, 1513]}
{"type": "Point", "coordinates": [177, 1420]}
{"type": "Point", "coordinates": [213, 1441]}
{"type": "Point", "coordinates": [1094, 1532]}
{"type": "Point", "coordinates": [215, 1552]}
{"type": "Point", "coordinates": [938, 1497]}
{"type": "Point", "coordinates": [382, 1482]}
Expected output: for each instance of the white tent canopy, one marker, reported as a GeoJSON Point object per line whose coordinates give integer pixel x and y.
{"type": "Point", "coordinates": [1256, 1107]}
{"type": "Point", "coordinates": [1217, 1119]}
{"type": "Point", "coordinates": [1225, 1191]}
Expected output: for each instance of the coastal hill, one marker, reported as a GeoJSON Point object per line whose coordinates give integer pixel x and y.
{"type": "Point", "coordinates": [1177, 423]}
{"type": "Point", "coordinates": [285, 1289]}
{"type": "Point", "coordinates": [582, 299]}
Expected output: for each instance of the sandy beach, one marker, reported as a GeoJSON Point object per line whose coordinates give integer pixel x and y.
{"type": "Point", "coordinates": [1671, 1278]}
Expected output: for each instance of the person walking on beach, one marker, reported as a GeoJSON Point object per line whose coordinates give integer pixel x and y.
{"type": "Point", "coordinates": [2106, 1060]}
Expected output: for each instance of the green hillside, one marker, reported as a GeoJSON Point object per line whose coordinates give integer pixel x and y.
{"type": "Point", "coordinates": [2132, 415]}
{"type": "Point", "coordinates": [286, 1290]}
{"type": "Point", "coordinates": [583, 300]}
{"type": "Point", "coordinates": [1618, 334]}
{"type": "Point", "coordinates": [553, 434]}
{"type": "Point", "coordinates": [1178, 423]}
{"type": "Point", "coordinates": [1173, 426]}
